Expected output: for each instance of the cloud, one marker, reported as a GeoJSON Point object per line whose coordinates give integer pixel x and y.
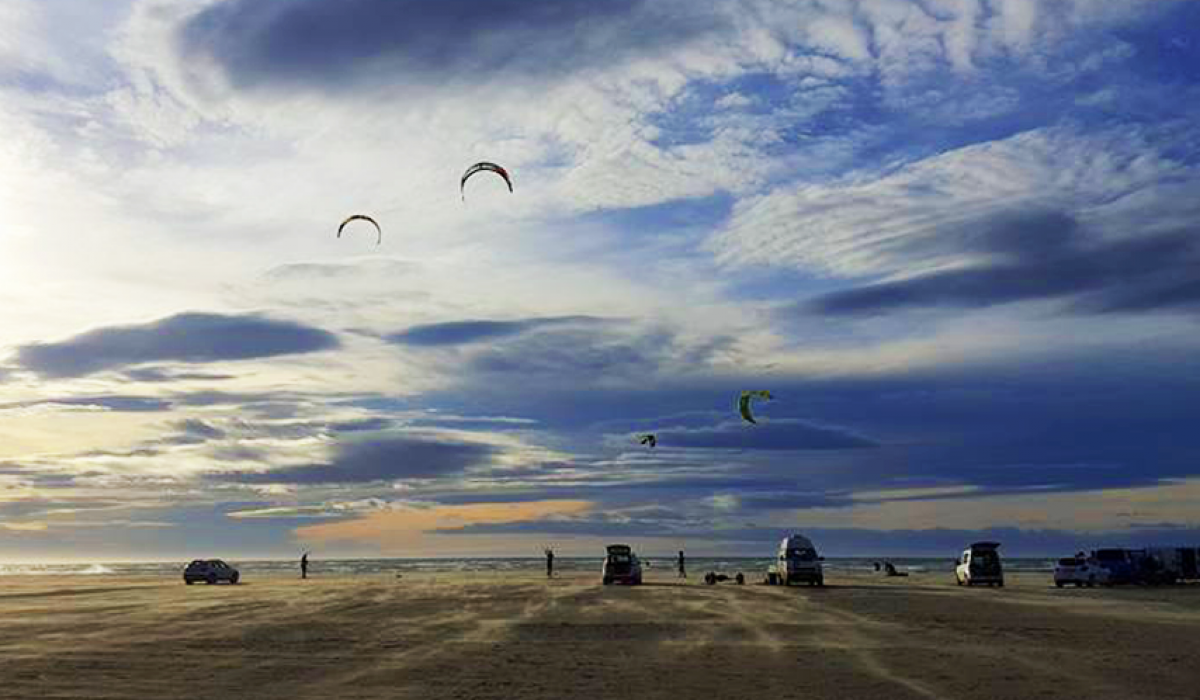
{"type": "Point", "coordinates": [397, 528]}
{"type": "Point", "coordinates": [1044, 257]}
{"type": "Point", "coordinates": [777, 434]}
{"type": "Point", "coordinates": [381, 458]}
{"type": "Point", "coordinates": [186, 337]}
{"type": "Point", "coordinates": [309, 272]}
{"type": "Point", "coordinates": [157, 375]}
{"type": "Point", "coordinates": [194, 431]}
{"type": "Point", "coordinates": [119, 404]}
{"type": "Point", "coordinates": [328, 46]}
{"type": "Point", "coordinates": [464, 332]}
{"type": "Point", "coordinates": [920, 218]}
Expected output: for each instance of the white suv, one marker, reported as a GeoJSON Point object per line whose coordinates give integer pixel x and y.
{"type": "Point", "coordinates": [797, 562]}
{"type": "Point", "coordinates": [209, 571]}
{"type": "Point", "coordinates": [1081, 571]}
{"type": "Point", "coordinates": [980, 564]}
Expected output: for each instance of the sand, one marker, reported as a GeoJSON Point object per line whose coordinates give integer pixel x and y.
{"type": "Point", "coordinates": [457, 636]}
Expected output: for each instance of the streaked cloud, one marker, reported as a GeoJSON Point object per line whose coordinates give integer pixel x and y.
{"type": "Point", "coordinates": [187, 337]}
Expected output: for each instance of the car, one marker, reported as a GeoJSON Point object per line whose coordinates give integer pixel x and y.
{"type": "Point", "coordinates": [1080, 571]}
{"type": "Point", "coordinates": [797, 562]}
{"type": "Point", "coordinates": [621, 565]}
{"type": "Point", "coordinates": [210, 571]}
{"type": "Point", "coordinates": [979, 565]}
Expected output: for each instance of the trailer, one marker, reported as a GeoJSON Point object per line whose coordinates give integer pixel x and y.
{"type": "Point", "coordinates": [1151, 565]}
{"type": "Point", "coordinates": [1172, 564]}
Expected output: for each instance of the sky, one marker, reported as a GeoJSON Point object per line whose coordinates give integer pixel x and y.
{"type": "Point", "coordinates": [956, 239]}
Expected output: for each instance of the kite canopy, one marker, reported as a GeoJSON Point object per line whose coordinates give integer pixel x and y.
{"type": "Point", "coordinates": [362, 217]}
{"type": "Point", "coordinates": [650, 440]}
{"type": "Point", "coordinates": [744, 403]}
{"type": "Point", "coordinates": [478, 168]}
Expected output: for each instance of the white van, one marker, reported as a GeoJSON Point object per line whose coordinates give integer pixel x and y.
{"type": "Point", "coordinates": [797, 562]}
{"type": "Point", "coordinates": [979, 565]}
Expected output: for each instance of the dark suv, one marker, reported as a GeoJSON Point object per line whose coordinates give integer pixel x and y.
{"type": "Point", "coordinates": [209, 571]}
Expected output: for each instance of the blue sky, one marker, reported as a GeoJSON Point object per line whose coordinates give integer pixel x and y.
{"type": "Point", "coordinates": [956, 239]}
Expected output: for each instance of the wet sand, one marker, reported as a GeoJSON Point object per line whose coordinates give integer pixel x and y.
{"type": "Point", "coordinates": [456, 636]}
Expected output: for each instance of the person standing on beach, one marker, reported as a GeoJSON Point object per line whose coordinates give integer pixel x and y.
{"type": "Point", "coordinates": [304, 565]}
{"type": "Point", "coordinates": [549, 563]}
{"type": "Point", "coordinates": [682, 570]}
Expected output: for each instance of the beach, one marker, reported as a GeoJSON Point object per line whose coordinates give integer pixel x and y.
{"type": "Point", "coordinates": [486, 636]}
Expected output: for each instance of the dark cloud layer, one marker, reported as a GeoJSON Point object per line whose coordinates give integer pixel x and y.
{"type": "Point", "coordinates": [464, 332]}
{"type": "Point", "coordinates": [381, 458]}
{"type": "Point", "coordinates": [335, 45]}
{"type": "Point", "coordinates": [783, 434]}
{"type": "Point", "coordinates": [1041, 256]}
{"type": "Point", "coordinates": [188, 337]}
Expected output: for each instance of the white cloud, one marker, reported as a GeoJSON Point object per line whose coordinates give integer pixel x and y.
{"type": "Point", "coordinates": [888, 224]}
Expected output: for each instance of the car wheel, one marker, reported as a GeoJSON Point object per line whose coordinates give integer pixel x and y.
{"type": "Point", "coordinates": [188, 581]}
{"type": "Point", "coordinates": [821, 582]}
{"type": "Point", "coordinates": [1000, 584]}
{"type": "Point", "coordinates": [1059, 584]}
{"type": "Point", "coordinates": [608, 581]}
{"type": "Point", "coordinates": [234, 579]}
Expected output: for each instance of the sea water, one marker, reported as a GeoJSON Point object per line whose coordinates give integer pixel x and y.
{"type": "Point", "coordinates": [696, 566]}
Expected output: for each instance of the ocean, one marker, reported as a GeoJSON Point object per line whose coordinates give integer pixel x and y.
{"type": "Point", "coordinates": [751, 566]}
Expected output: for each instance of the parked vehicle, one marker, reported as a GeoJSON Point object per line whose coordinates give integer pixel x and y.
{"type": "Point", "coordinates": [797, 562]}
{"type": "Point", "coordinates": [1080, 571]}
{"type": "Point", "coordinates": [980, 565]}
{"type": "Point", "coordinates": [621, 565]}
{"type": "Point", "coordinates": [1150, 566]}
{"type": "Point", "coordinates": [1119, 563]}
{"type": "Point", "coordinates": [1172, 564]}
{"type": "Point", "coordinates": [210, 571]}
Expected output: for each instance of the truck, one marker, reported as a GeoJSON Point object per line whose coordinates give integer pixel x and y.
{"type": "Point", "coordinates": [797, 562]}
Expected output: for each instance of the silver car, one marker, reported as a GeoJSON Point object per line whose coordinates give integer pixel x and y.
{"type": "Point", "coordinates": [209, 571]}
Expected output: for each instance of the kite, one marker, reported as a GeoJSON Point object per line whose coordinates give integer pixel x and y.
{"type": "Point", "coordinates": [744, 403]}
{"type": "Point", "coordinates": [362, 217]}
{"type": "Point", "coordinates": [478, 168]}
{"type": "Point", "coordinates": [650, 440]}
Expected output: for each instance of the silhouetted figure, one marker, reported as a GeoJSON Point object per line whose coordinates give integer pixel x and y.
{"type": "Point", "coordinates": [891, 570]}
{"type": "Point", "coordinates": [549, 563]}
{"type": "Point", "coordinates": [682, 569]}
{"type": "Point", "coordinates": [304, 565]}
{"type": "Point", "coordinates": [877, 566]}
